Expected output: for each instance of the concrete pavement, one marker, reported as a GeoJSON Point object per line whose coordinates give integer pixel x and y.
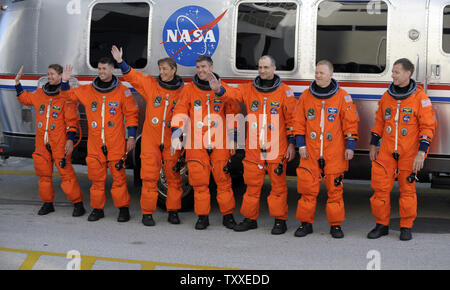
{"type": "Point", "coordinates": [42, 242]}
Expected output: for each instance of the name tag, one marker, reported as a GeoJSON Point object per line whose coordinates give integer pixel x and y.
{"type": "Point", "coordinates": [332, 110]}
{"type": "Point", "coordinates": [407, 110]}
{"type": "Point", "coordinates": [275, 104]}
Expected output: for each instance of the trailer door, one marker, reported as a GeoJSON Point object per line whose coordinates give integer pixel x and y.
{"type": "Point", "coordinates": [438, 71]}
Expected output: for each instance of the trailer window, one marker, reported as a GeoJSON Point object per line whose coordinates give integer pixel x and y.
{"type": "Point", "coordinates": [121, 24]}
{"type": "Point", "coordinates": [266, 29]}
{"type": "Point", "coordinates": [446, 30]}
{"type": "Point", "coordinates": [352, 35]}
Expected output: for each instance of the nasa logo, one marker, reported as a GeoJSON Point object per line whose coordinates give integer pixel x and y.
{"type": "Point", "coordinates": [406, 118]}
{"type": "Point", "coordinates": [189, 32]}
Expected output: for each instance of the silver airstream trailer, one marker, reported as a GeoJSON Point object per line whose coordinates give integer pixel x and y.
{"type": "Point", "coordinates": [361, 38]}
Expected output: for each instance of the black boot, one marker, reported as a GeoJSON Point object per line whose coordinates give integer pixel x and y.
{"type": "Point", "coordinates": [228, 221]}
{"type": "Point", "coordinates": [304, 229]}
{"type": "Point", "coordinates": [124, 215]}
{"type": "Point", "coordinates": [147, 220]}
{"type": "Point", "coordinates": [173, 218]}
{"type": "Point", "coordinates": [202, 222]}
{"type": "Point", "coordinates": [78, 209]}
{"type": "Point", "coordinates": [405, 234]}
{"type": "Point", "coordinates": [279, 227]}
{"type": "Point", "coordinates": [378, 231]}
{"type": "Point", "coordinates": [96, 214]}
{"type": "Point", "coordinates": [336, 232]}
{"type": "Point", "coordinates": [245, 225]}
{"type": "Point", "coordinates": [46, 208]}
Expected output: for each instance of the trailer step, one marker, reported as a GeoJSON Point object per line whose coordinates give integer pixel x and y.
{"type": "Point", "coordinates": [442, 182]}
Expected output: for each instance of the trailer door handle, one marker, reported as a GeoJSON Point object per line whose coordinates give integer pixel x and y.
{"type": "Point", "coordinates": [436, 71]}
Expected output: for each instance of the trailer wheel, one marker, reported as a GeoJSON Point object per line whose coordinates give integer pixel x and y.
{"type": "Point", "coordinates": [187, 198]}
{"type": "Point", "coordinates": [440, 180]}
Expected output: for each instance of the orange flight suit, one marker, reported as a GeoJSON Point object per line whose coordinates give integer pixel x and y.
{"type": "Point", "coordinates": [116, 104]}
{"type": "Point", "coordinates": [340, 119]}
{"type": "Point", "coordinates": [416, 124]}
{"type": "Point", "coordinates": [191, 113]}
{"type": "Point", "coordinates": [57, 115]}
{"type": "Point", "coordinates": [161, 99]}
{"type": "Point", "coordinates": [278, 103]}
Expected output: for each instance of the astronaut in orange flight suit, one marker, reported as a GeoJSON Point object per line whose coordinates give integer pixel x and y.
{"type": "Point", "coordinates": [201, 112]}
{"type": "Point", "coordinates": [161, 95]}
{"type": "Point", "coordinates": [326, 130]}
{"type": "Point", "coordinates": [107, 102]}
{"type": "Point", "coordinates": [405, 122]}
{"type": "Point", "coordinates": [56, 125]}
{"type": "Point", "coordinates": [268, 143]}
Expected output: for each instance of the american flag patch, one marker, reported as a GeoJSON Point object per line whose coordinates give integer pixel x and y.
{"type": "Point", "coordinates": [348, 99]}
{"type": "Point", "coordinates": [127, 93]}
{"type": "Point", "coordinates": [289, 93]}
{"type": "Point", "coordinates": [426, 103]}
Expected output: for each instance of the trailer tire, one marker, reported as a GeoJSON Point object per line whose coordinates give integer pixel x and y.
{"type": "Point", "coordinates": [187, 198]}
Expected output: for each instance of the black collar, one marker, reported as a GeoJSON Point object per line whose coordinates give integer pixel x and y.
{"type": "Point", "coordinates": [324, 93]}
{"type": "Point", "coordinates": [204, 85]}
{"type": "Point", "coordinates": [400, 93]}
{"type": "Point", "coordinates": [261, 85]}
{"type": "Point", "coordinates": [176, 83]}
{"type": "Point", "coordinates": [105, 87]}
{"type": "Point", "coordinates": [51, 90]}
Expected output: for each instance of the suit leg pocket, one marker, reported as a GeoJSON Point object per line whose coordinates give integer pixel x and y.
{"type": "Point", "coordinates": [42, 165]}
{"type": "Point", "coordinates": [96, 169]}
